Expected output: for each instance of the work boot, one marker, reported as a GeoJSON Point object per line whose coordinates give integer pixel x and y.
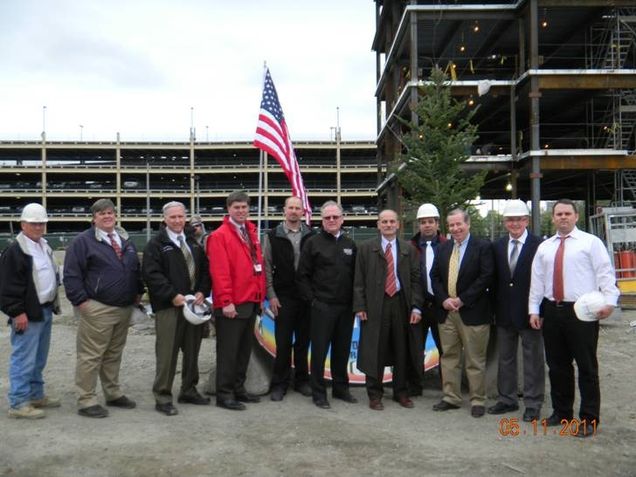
{"type": "Point", "coordinates": [46, 401]}
{"type": "Point", "coordinates": [26, 412]}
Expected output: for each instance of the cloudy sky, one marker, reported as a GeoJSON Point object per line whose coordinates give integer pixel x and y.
{"type": "Point", "coordinates": [140, 67]}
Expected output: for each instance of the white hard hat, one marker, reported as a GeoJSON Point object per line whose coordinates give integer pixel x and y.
{"type": "Point", "coordinates": [196, 314]}
{"type": "Point", "coordinates": [427, 210]}
{"type": "Point", "coordinates": [515, 208]}
{"type": "Point", "coordinates": [588, 306]}
{"type": "Point", "coordinates": [34, 213]}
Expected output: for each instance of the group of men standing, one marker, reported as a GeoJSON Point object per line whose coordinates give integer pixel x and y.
{"type": "Point", "coordinates": [316, 282]}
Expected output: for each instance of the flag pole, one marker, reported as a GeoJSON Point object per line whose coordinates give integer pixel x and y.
{"type": "Point", "coordinates": [261, 162]}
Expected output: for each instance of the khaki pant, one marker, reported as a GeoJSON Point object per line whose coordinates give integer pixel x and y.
{"type": "Point", "coordinates": [174, 333]}
{"type": "Point", "coordinates": [101, 337]}
{"type": "Point", "coordinates": [473, 340]}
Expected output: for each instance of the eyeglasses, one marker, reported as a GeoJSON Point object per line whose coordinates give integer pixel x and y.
{"type": "Point", "coordinates": [196, 225]}
{"type": "Point", "coordinates": [332, 217]}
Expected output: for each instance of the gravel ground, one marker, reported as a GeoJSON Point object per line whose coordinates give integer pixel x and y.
{"type": "Point", "coordinates": [294, 437]}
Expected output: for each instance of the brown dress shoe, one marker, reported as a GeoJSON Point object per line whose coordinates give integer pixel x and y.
{"type": "Point", "coordinates": [404, 401]}
{"type": "Point", "coordinates": [376, 404]}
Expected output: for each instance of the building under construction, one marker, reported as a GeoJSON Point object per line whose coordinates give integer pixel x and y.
{"type": "Point", "coordinates": [554, 83]}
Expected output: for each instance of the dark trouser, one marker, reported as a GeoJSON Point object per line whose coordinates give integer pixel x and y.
{"type": "Point", "coordinates": [429, 321]}
{"type": "Point", "coordinates": [233, 348]}
{"type": "Point", "coordinates": [291, 326]}
{"type": "Point", "coordinates": [566, 339]}
{"type": "Point", "coordinates": [175, 333]}
{"type": "Point", "coordinates": [393, 348]}
{"type": "Point", "coordinates": [533, 366]}
{"type": "Point", "coordinates": [330, 325]}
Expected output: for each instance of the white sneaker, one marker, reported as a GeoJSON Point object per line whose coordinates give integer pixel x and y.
{"type": "Point", "coordinates": [46, 401]}
{"type": "Point", "coordinates": [26, 412]}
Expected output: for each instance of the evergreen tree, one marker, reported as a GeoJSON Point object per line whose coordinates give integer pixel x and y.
{"type": "Point", "coordinates": [436, 147]}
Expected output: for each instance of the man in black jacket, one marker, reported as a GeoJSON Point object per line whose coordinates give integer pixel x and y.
{"type": "Point", "coordinates": [281, 253]}
{"type": "Point", "coordinates": [325, 279]}
{"type": "Point", "coordinates": [462, 273]}
{"type": "Point", "coordinates": [175, 266]}
{"type": "Point", "coordinates": [427, 241]}
{"type": "Point", "coordinates": [29, 280]}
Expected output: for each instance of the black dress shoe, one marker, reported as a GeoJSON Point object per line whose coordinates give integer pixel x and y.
{"type": "Point", "coordinates": [444, 406]}
{"type": "Point", "coordinates": [247, 397]}
{"type": "Point", "coordinates": [304, 389]}
{"type": "Point", "coordinates": [194, 399]}
{"type": "Point", "coordinates": [231, 404]}
{"type": "Point", "coordinates": [96, 411]}
{"type": "Point", "coordinates": [586, 430]}
{"type": "Point", "coordinates": [277, 394]}
{"type": "Point", "coordinates": [477, 411]}
{"type": "Point", "coordinates": [322, 403]}
{"type": "Point", "coordinates": [554, 420]}
{"type": "Point", "coordinates": [122, 402]}
{"type": "Point", "coordinates": [502, 408]}
{"type": "Point", "coordinates": [346, 397]}
{"type": "Point", "coordinates": [166, 408]}
{"type": "Point", "coordinates": [531, 414]}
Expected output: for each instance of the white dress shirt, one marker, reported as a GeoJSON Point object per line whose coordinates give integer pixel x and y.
{"type": "Point", "coordinates": [103, 235]}
{"type": "Point", "coordinates": [46, 284]}
{"type": "Point", "coordinates": [586, 268]}
{"type": "Point", "coordinates": [521, 240]}
{"type": "Point", "coordinates": [174, 238]}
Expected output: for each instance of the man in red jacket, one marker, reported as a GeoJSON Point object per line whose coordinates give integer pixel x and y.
{"type": "Point", "coordinates": [238, 288]}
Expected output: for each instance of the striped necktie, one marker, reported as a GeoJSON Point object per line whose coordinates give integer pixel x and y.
{"type": "Point", "coordinates": [188, 259]}
{"type": "Point", "coordinates": [115, 245]}
{"type": "Point", "coordinates": [390, 286]}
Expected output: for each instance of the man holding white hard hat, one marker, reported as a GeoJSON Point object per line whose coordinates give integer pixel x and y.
{"type": "Point", "coordinates": [566, 267]}
{"type": "Point", "coordinates": [175, 269]}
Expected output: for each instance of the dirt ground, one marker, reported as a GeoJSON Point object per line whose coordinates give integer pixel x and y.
{"type": "Point", "coordinates": [294, 437]}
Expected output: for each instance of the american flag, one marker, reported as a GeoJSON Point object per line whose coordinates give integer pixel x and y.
{"type": "Point", "coordinates": [272, 137]}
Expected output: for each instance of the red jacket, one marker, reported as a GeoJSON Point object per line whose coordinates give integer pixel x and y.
{"type": "Point", "coordinates": [233, 277]}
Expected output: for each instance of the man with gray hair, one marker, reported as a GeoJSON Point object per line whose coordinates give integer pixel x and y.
{"type": "Point", "coordinates": [175, 266]}
{"type": "Point", "coordinates": [325, 280]}
{"type": "Point", "coordinates": [102, 278]}
{"type": "Point", "coordinates": [29, 281]}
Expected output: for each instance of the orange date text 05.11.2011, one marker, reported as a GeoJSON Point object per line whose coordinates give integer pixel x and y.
{"type": "Point", "coordinates": [510, 427]}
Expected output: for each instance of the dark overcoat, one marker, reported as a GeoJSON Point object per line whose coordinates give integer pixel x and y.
{"type": "Point", "coordinates": [368, 295]}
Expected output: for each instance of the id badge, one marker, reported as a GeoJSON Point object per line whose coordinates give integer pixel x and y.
{"type": "Point", "coordinates": [258, 268]}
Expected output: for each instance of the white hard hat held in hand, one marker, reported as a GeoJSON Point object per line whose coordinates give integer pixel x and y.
{"type": "Point", "coordinates": [196, 314]}
{"type": "Point", "coordinates": [587, 306]}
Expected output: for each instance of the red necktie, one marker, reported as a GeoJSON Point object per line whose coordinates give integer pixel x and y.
{"type": "Point", "coordinates": [557, 279]}
{"type": "Point", "coordinates": [390, 286]}
{"type": "Point", "coordinates": [115, 245]}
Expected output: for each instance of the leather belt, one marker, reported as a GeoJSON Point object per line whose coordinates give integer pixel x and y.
{"type": "Point", "coordinates": [560, 304]}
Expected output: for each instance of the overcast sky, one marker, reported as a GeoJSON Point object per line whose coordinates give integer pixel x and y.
{"type": "Point", "coordinates": [138, 67]}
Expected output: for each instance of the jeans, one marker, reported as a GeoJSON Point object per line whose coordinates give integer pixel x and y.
{"type": "Point", "coordinates": [29, 353]}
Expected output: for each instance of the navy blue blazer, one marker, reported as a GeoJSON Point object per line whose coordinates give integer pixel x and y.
{"type": "Point", "coordinates": [511, 292]}
{"type": "Point", "coordinates": [476, 273]}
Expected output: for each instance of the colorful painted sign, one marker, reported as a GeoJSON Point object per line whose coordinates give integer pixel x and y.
{"type": "Point", "coordinates": [264, 331]}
